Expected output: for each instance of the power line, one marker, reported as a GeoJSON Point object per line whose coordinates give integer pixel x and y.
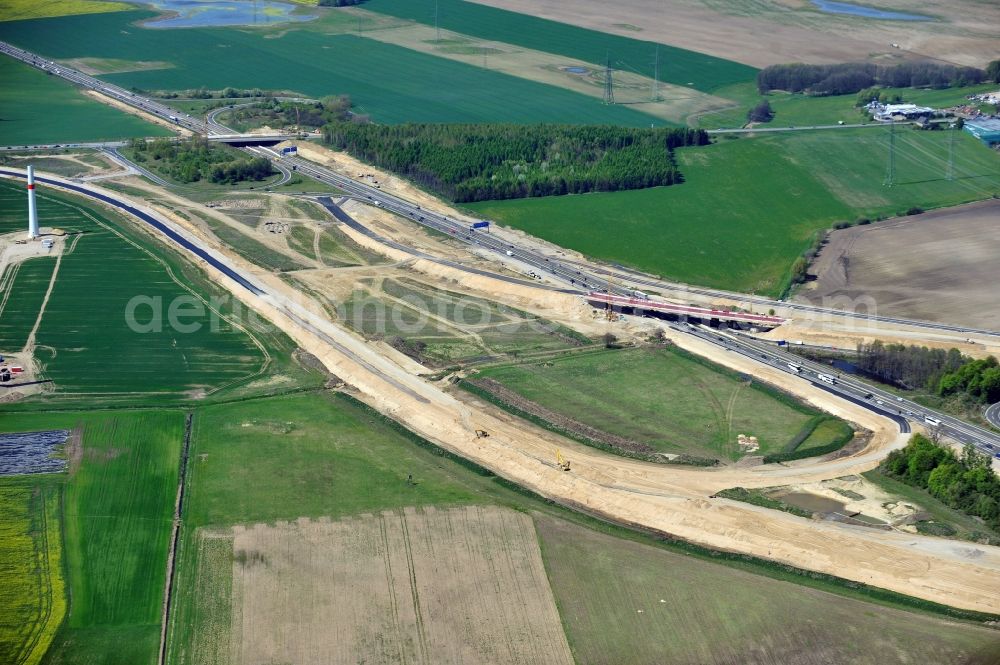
{"type": "Point", "coordinates": [437, 26]}
{"type": "Point", "coordinates": [950, 171]}
{"type": "Point", "coordinates": [609, 86]}
{"type": "Point", "coordinates": [890, 169]}
{"type": "Point", "coordinates": [656, 75]}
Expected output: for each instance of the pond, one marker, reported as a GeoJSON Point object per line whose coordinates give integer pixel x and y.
{"type": "Point", "coordinates": [212, 13]}
{"type": "Point", "coordinates": [865, 12]}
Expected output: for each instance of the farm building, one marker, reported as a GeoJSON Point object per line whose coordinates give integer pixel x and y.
{"type": "Point", "coordinates": [887, 112]}
{"type": "Point", "coordinates": [986, 130]}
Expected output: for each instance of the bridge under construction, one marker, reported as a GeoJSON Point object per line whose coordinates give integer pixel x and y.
{"type": "Point", "coordinates": [646, 306]}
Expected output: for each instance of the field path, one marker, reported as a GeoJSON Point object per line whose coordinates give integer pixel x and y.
{"type": "Point", "coordinates": [29, 344]}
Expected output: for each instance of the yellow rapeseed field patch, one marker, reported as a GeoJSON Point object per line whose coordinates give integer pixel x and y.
{"type": "Point", "coordinates": [32, 595]}
{"type": "Point", "coordinates": [16, 10]}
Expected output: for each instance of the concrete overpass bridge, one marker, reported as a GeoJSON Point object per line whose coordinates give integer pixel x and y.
{"type": "Point", "coordinates": [645, 306]}
{"type": "Point", "coordinates": [245, 140]}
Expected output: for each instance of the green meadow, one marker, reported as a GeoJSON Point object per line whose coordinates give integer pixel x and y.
{"type": "Point", "coordinates": [750, 206]}
{"type": "Point", "coordinates": [678, 66]}
{"type": "Point", "coordinates": [36, 107]}
{"type": "Point", "coordinates": [670, 400]}
{"type": "Point", "coordinates": [390, 83]}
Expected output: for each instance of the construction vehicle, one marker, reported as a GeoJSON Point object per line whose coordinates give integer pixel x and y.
{"type": "Point", "coordinates": [481, 434]}
{"type": "Point", "coordinates": [562, 461]}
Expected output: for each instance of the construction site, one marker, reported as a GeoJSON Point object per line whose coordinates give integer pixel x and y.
{"type": "Point", "coordinates": [329, 416]}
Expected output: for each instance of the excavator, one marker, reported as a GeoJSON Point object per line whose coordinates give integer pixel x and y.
{"type": "Point", "coordinates": [561, 461]}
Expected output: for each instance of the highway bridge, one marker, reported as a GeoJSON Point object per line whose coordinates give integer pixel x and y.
{"type": "Point", "coordinates": [562, 271]}
{"type": "Point", "coordinates": [242, 140]}
{"type": "Point", "coordinates": [643, 305]}
{"type": "Point", "coordinates": [582, 279]}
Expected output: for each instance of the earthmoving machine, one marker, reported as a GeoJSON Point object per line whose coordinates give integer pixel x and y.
{"type": "Point", "coordinates": [562, 461]}
{"type": "Point", "coordinates": [481, 434]}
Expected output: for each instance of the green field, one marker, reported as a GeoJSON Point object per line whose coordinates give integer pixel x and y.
{"type": "Point", "coordinates": [305, 456]}
{"type": "Point", "coordinates": [31, 99]}
{"type": "Point", "coordinates": [798, 110]}
{"type": "Point", "coordinates": [32, 593]}
{"type": "Point", "coordinates": [22, 290]}
{"type": "Point", "coordinates": [116, 516]}
{"type": "Point", "coordinates": [628, 603]}
{"type": "Point", "coordinates": [85, 342]}
{"type": "Point", "coordinates": [750, 206]}
{"type": "Point", "coordinates": [391, 83]}
{"type": "Point", "coordinates": [678, 66]}
{"type": "Point", "coordinates": [666, 398]}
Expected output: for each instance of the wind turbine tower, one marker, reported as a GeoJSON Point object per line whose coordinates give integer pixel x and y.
{"type": "Point", "coordinates": [32, 210]}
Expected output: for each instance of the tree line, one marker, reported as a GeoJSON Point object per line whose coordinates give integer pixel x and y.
{"type": "Point", "coordinates": [852, 77]}
{"type": "Point", "coordinates": [466, 162]}
{"type": "Point", "coordinates": [938, 371]}
{"type": "Point", "coordinates": [909, 367]}
{"type": "Point", "coordinates": [196, 159]}
{"type": "Point", "coordinates": [966, 483]}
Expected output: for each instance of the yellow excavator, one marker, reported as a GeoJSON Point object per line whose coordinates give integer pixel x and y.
{"type": "Point", "coordinates": [562, 461]}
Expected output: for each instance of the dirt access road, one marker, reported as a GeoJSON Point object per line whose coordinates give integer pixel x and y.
{"type": "Point", "coordinates": [669, 500]}
{"type": "Point", "coordinates": [768, 32]}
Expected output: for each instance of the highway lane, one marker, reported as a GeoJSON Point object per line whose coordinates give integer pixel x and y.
{"type": "Point", "coordinates": [62, 146]}
{"type": "Point", "coordinates": [208, 256]}
{"type": "Point", "coordinates": [115, 155]}
{"type": "Point", "coordinates": [875, 398]}
{"type": "Point", "coordinates": [577, 276]}
{"type": "Point", "coordinates": [341, 216]}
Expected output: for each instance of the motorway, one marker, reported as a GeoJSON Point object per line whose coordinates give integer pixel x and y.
{"type": "Point", "coordinates": [898, 409]}
{"type": "Point", "coordinates": [568, 273]}
{"type": "Point", "coordinates": [584, 277]}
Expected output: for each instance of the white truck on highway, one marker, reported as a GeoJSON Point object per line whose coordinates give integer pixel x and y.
{"type": "Point", "coordinates": [826, 378]}
{"type": "Point", "coordinates": [794, 367]}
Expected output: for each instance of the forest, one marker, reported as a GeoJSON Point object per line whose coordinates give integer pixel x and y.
{"type": "Point", "coordinates": [849, 78]}
{"type": "Point", "coordinates": [196, 159]}
{"type": "Point", "coordinates": [979, 379]}
{"type": "Point", "coordinates": [938, 371]}
{"type": "Point", "coordinates": [966, 483]}
{"type": "Point", "coordinates": [469, 163]}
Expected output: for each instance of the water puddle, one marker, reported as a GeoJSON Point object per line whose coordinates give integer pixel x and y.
{"type": "Point", "coordinates": [812, 502]}
{"type": "Point", "coordinates": [830, 7]}
{"type": "Point", "coordinates": [215, 13]}
{"type": "Point", "coordinates": [31, 452]}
